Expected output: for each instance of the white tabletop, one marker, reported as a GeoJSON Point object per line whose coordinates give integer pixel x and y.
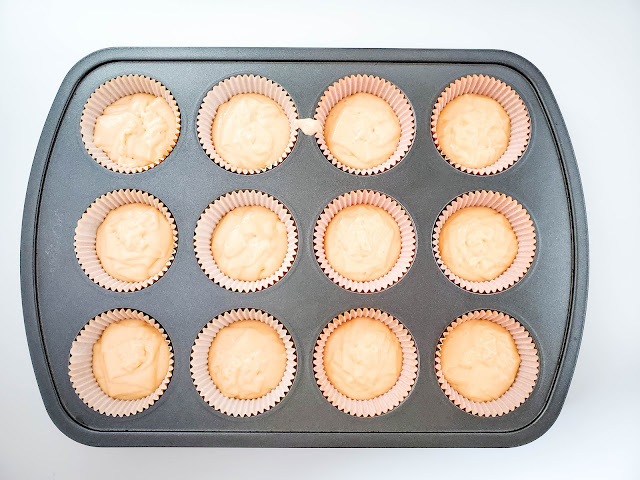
{"type": "Point", "coordinates": [590, 55]}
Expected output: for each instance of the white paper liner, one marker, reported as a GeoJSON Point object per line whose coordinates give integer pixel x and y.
{"type": "Point", "coordinates": [407, 239]}
{"type": "Point", "coordinates": [210, 219]}
{"type": "Point", "coordinates": [382, 403]}
{"type": "Point", "coordinates": [81, 366]}
{"type": "Point", "coordinates": [520, 223]}
{"type": "Point", "coordinates": [108, 93]}
{"type": "Point", "coordinates": [200, 365]}
{"type": "Point", "coordinates": [222, 93]}
{"type": "Point", "coordinates": [85, 237]}
{"type": "Point", "coordinates": [525, 378]}
{"type": "Point", "coordinates": [381, 88]}
{"type": "Point", "coordinates": [510, 101]}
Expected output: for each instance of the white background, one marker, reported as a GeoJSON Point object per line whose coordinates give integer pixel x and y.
{"type": "Point", "coordinates": [589, 53]}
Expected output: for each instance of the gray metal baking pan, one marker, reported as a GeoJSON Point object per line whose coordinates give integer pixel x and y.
{"type": "Point", "coordinates": [58, 298]}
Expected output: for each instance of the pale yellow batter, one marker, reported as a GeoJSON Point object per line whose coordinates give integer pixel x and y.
{"type": "Point", "coordinates": [362, 131]}
{"type": "Point", "coordinates": [130, 359]}
{"type": "Point", "coordinates": [250, 131]}
{"type": "Point", "coordinates": [478, 244]}
{"type": "Point", "coordinates": [247, 359]}
{"type": "Point", "coordinates": [136, 130]}
{"type": "Point", "coordinates": [362, 242]}
{"type": "Point", "coordinates": [480, 360]}
{"type": "Point", "coordinates": [363, 358]}
{"type": "Point", "coordinates": [249, 243]}
{"type": "Point", "coordinates": [134, 242]}
{"type": "Point", "coordinates": [473, 130]}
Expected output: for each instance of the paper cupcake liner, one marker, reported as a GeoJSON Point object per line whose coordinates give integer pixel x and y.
{"type": "Point", "coordinates": [520, 223]}
{"type": "Point", "coordinates": [510, 101]}
{"type": "Point", "coordinates": [381, 88]}
{"type": "Point", "coordinates": [81, 366]}
{"type": "Point", "coordinates": [200, 365]}
{"type": "Point", "coordinates": [525, 378]}
{"type": "Point", "coordinates": [385, 402]}
{"type": "Point", "coordinates": [210, 219]}
{"type": "Point", "coordinates": [222, 93]}
{"type": "Point", "coordinates": [85, 237]}
{"type": "Point", "coordinates": [108, 93]}
{"type": "Point", "coordinates": [407, 239]}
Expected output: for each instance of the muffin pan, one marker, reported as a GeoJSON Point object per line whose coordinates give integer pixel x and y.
{"type": "Point", "coordinates": [59, 299]}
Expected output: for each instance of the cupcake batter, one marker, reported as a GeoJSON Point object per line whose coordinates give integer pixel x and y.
{"type": "Point", "coordinates": [480, 360]}
{"type": "Point", "coordinates": [473, 130]}
{"type": "Point", "coordinates": [478, 244]}
{"type": "Point", "coordinates": [249, 243]}
{"type": "Point", "coordinates": [247, 359]}
{"type": "Point", "coordinates": [136, 130]}
{"type": "Point", "coordinates": [363, 358]}
{"type": "Point", "coordinates": [134, 242]}
{"type": "Point", "coordinates": [130, 359]}
{"type": "Point", "coordinates": [362, 242]}
{"type": "Point", "coordinates": [362, 131]}
{"type": "Point", "coordinates": [250, 131]}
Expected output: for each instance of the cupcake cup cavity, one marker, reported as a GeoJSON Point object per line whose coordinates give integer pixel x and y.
{"type": "Point", "coordinates": [200, 365]}
{"type": "Point", "coordinates": [525, 378]}
{"type": "Point", "coordinates": [222, 93]}
{"type": "Point", "coordinates": [210, 219]}
{"type": "Point", "coordinates": [85, 237]}
{"type": "Point", "coordinates": [510, 101]}
{"type": "Point", "coordinates": [407, 240]}
{"type": "Point", "coordinates": [108, 93]}
{"type": "Point", "coordinates": [81, 370]}
{"type": "Point", "coordinates": [520, 223]}
{"type": "Point", "coordinates": [381, 88]}
{"type": "Point", "coordinates": [385, 402]}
